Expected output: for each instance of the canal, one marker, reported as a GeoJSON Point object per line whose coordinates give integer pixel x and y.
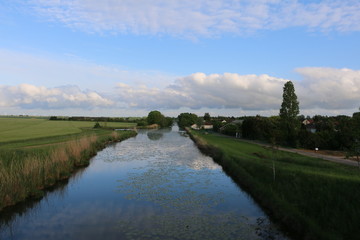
{"type": "Point", "coordinates": [154, 186]}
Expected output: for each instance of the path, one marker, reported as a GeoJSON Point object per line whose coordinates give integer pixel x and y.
{"type": "Point", "coordinates": [337, 159]}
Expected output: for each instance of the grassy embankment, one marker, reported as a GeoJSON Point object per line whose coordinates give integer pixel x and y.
{"type": "Point", "coordinates": [311, 198]}
{"type": "Point", "coordinates": [36, 153]}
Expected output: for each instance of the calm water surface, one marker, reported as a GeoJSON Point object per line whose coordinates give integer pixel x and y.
{"type": "Point", "coordinates": [155, 186]}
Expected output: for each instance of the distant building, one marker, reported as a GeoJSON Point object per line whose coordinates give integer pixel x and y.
{"type": "Point", "coordinates": [194, 126]}
{"type": "Point", "coordinates": [206, 126]}
{"type": "Point", "coordinates": [309, 125]}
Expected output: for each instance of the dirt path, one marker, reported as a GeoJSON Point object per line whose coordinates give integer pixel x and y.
{"type": "Point", "coordinates": [337, 159]}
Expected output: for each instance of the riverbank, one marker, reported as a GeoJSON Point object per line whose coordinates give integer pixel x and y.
{"type": "Point", "coordinates": [26, 172]}
{"type": "Point", "coordinates": [309, 197]}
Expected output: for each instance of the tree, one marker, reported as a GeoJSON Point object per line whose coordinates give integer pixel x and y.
{"type": "Point", "coordinates": [155, 117]}
{"type": "Point", "coordinates": [288, 114]}
{"type": "Point", "coordinates": [187, 119]}
{"type": "Point", "coordinates": [207, 117]}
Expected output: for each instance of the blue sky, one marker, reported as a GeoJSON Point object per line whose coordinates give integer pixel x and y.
{"type": "Point", "coordinates": [127, 57]}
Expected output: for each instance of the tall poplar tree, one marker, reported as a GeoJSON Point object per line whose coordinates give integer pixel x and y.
{"type": "Point", "coordinates": [288, 113]}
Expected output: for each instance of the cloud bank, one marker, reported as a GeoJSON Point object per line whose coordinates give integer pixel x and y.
{"type": "Point", "coordinates": [321, 88]}
{"type": "Point", "coordinates": [326, 90]}
{"type": "Point", "coordinates": [199, 90]}
{"type": "Point", "coordinates": [329, 88]}
{"type": "Point", "coordinates": [200, 18]}
{"type": "Point", "coordinates": [30, 97]}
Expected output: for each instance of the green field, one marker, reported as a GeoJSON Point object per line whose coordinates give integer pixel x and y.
{"type": "Point", "coordinates": [19, 129]}
{"type": "Point", "coordinates": [35, 153]}
{"type": "Point", "coordinates": [312, 198]}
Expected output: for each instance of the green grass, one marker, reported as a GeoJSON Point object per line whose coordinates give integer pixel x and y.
{"type": "Point", "coordinates": [36, 153]}
{"type": "Point", "coordinates": [312, 198]}
{"type": "Point", "coordinates": [15, 129]}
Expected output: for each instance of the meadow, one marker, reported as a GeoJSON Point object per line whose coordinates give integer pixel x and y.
{"type": "Point", "coordinates": [13, 129]}
{"type": "Point", "coordinates": [310, 198]}
{"type": "Point", "coordinates": [37, 153]}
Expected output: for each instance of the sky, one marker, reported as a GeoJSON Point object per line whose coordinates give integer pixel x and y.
{"type": "Point", "coordinates": [224, 57]}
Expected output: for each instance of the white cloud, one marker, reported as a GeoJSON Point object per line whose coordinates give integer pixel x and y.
{"type": "Point", "coordinates": [189, 18]}
{"type": "Point", "coordinates": [321, 90]}
{"type": "Point", "coordinates": [210, 91]}
{"type": "Point", "coordinates": [37, 97]}
{"type": "Point", "coordinates": [329, 88]}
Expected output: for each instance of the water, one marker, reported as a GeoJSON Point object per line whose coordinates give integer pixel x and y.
{"type": "Point", "coordinates": [155, 186]}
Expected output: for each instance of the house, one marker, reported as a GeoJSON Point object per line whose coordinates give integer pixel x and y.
{"type": "Point", "coordinates": [309, 125]}
{"type": "Point", "coordinates": [194, 126]}
{"type": "Point", "coordinates": [207, 126]}
{"type": "Point", "coordinates": [236, 123]}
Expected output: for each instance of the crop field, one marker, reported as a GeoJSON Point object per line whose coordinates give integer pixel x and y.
{"type": "Point", "coordinates": [20, 129]}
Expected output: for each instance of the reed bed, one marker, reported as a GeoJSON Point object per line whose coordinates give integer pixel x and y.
{"type": "Point", "coordinates": [25, 173]}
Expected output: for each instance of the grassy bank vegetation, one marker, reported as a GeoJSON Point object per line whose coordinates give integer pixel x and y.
{"type": "Point", "coordinates": [311, 198]}
{"type": "Point", "coordinates": [30, 164]}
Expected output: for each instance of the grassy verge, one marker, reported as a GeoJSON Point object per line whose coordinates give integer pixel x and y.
{"type": "Point", "coordinates": [310, 198]}
{"type": "Point", "coordinates": [27, 167]}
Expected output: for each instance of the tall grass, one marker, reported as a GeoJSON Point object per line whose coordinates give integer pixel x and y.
{"type": "Point", "coordinates": [25, 173]}
{"type": "Point", "coordinates": [312, 198]}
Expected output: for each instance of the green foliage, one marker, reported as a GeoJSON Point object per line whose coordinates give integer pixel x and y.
{"type": "Point", "coordinates": [168, 121]}
{"type": "Point", "coordinates": [142, 123]}
{"type": "Point", "coordinates": [217, 124]}
{"type": "Point", "coordinates": [207, 117]}
{"type": "Point", "coordinates": [262, 128]}
{"type": "Point", "coordinates": [290, 105]}
{"type": "Point", "coordinates": [288, 114]}
{"type": "Point", "coordinates": [97, 125]}
{"type": "Point", "coordinates": [155, 117]}
{"type": "Point", "coordinates": [230, 129]}
{"type": "Point", "coordinates": [187, 119]}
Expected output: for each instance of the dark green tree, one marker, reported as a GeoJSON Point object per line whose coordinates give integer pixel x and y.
{"type": "Point", "coordinates": [288, 114]}
{"type": "Point", "coordinates": [354, 149]}
{"type": "Point", "coordinates": [187, 119]}
{"type": "Point", "coordinates": [207, 117]}
{"type": "Point", "coordinates": [155, 117]}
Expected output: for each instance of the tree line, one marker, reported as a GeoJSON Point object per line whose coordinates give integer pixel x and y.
{"type": "Point", "coordinates": [289, 128]}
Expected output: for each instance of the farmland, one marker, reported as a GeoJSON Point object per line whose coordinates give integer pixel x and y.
{"type": "Point", "coordinates": [15, 129]}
